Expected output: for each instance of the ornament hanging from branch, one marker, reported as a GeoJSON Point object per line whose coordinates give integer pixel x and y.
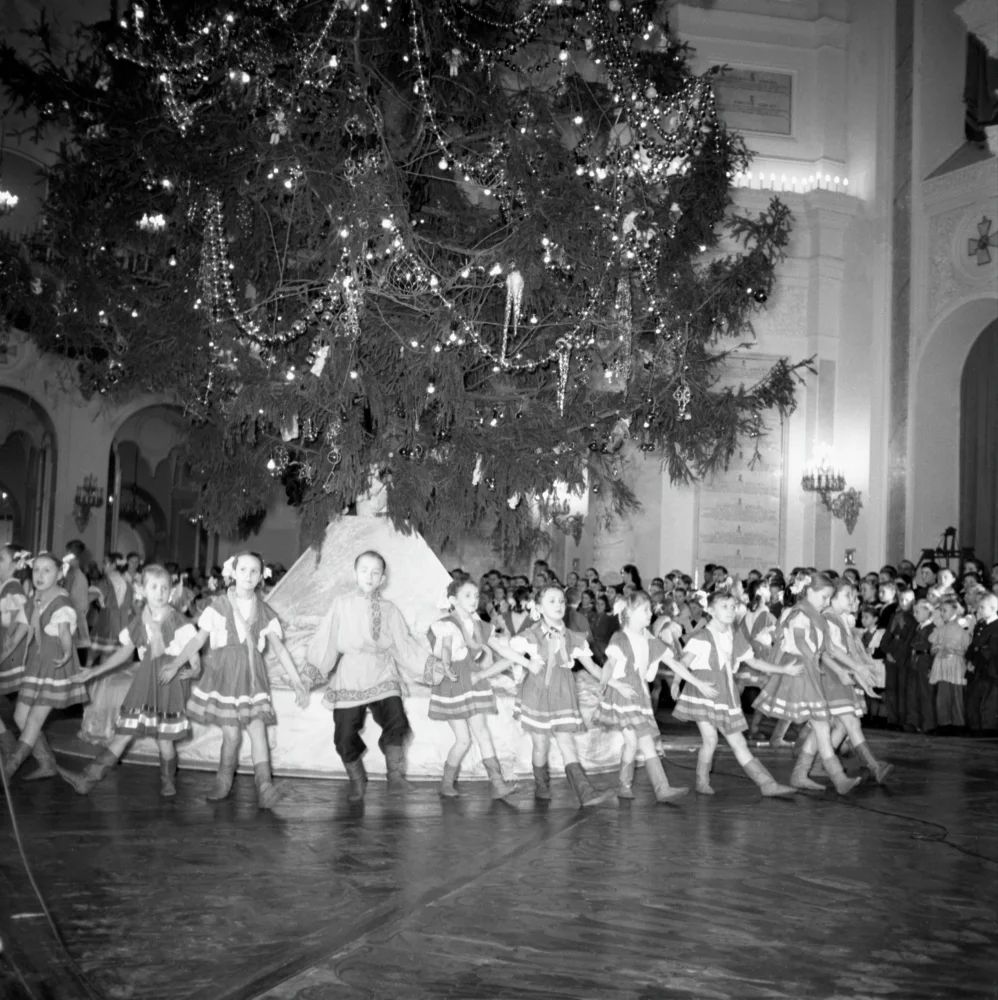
{"type": "Point", "coordinates": [349, 320]}
{"type": "Point", "coordinates": [289, 428]}
{"type": "Point", "coordinates": [639, 229]}
{"type": "Point", "coordinates": [321, 357]}
{"type": "Point", "coordinates": [675, 214]}
{"type": "Point", "coordinates": [278, 126]}
{"type": "Point", "coordinates": [455, 59]}
{"type": "Point", "coordinates": [514, 303]}
{"type": "Point", "coordinates": [619, 434]}
{"type": "Point", "coordinates": [624, 319]}
{"type": "Point", "coordinates": [682, 396]}
{"type": "Point", "coordinates": [564, 361]}
{"type": "Point", "coordinates": [334, 456]}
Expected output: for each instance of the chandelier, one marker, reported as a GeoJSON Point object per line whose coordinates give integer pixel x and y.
{"type": "Point", "coordinates": [829, 483]}
{"type": "Point", "coordinates": [89, 496]}
{"type": "Point", "coordinates": [820, 477]}
{"type": "Point", "coordinates": [135, 509]}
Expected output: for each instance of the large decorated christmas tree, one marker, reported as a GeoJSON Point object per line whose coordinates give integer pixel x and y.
{"type": "Point", "coordinates": [468, 247]}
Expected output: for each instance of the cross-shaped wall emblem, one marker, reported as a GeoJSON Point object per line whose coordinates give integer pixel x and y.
{"type": "Point", "coordinates": [981, 247]}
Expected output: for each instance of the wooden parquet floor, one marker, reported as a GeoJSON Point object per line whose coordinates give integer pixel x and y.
{"type": "Point", "coordinates": [890, 893]}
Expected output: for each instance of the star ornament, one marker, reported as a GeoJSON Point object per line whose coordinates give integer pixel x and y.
{"type": "Point", "coordinates": [981, 246]}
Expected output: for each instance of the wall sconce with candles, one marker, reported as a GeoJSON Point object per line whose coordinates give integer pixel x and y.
{"type": "Point", "coordinates": [89, 496]}
{"type": "Point", "coordinates": [822, 478]}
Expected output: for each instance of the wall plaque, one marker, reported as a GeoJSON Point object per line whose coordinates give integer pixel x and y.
{"type": "Point", "coordinates": [751, 100]}
{"type": "Point", "coordinates": [740, 512]}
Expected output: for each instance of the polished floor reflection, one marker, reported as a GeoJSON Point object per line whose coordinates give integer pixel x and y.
{"type": "Point", "coordinates": [889, 893]}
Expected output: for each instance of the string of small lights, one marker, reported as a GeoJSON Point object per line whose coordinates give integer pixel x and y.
{"type": "Point", "coordinates": [541, 9]}
{"type": "Point", "coordinates": [522, 33]}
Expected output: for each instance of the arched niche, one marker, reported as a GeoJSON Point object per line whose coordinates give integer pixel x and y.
{"type": "Point", "coordinates": [10, 516]}
{"type": "Point", "coordinates": [146, 470]}
{"type": "Point", "coordinates": [28, 458]}
{"type": "Point", "coordinates": [979, 447]}
{"type": "Point", "coordinates": [934, 480]}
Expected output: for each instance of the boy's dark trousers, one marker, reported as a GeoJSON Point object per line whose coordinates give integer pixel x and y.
{"type": "Point", "coordinates": [389, 713]}
{"type": "Point", "coordinates": [920, 702]}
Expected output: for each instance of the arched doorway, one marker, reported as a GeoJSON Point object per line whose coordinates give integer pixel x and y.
{"type": "Point", "coordinates": [10, 516]}
{"type": "Point", "coordinates": [934, 427]}
{"type": "Point", "coordinates": [979, 447]}
{"type": "Point", "coordinates": [152, 494]}
{"type": "Point", "coordinates": [27, 468]}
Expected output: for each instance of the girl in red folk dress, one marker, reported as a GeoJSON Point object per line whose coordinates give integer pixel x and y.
{"type": "Point", "coordinates": [117, 606]}
{"type": "Point", "coordinates": [758, 624]}
{"type": "Point", "coordinates": [714, 654]}
{"type": "Point", "coordinates": [15, 618]}
{"type": "Point", "coordinates": [116, 598]}
{"type": "Point", "coordinates": [843, 667]}
{"type": "Point", "coordinates": [234, 689]}
{"type": "Point", "coordinates": [633, 656]}
{"type": "Point", "coordinates": [801, 698]}
{"type": "Point", "coordinates": [155, 703]}
{"type": "Point", "coordinates": [49, 679]}
{"type": "Point", "coordinates": [548, 704]}
{"type": "Point", "coordinates": [464, 697]}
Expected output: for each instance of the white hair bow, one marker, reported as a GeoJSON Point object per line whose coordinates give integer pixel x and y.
{"type": "Point", "coordinates": [619, 607]}
{"type": "Point", "coordinates": [229, 568]}
{"type": "Point", "coordinates": [268, 573]}
{"type": "Point", "coordinates": [444, 602]}
{"type": "Point", "coordinates": [23, 560]}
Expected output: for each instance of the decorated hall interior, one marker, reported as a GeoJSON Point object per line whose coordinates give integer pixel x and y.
{"type": "Point", "coordinates": [498, 498]}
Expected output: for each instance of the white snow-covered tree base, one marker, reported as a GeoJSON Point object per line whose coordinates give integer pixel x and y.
{"type": "Point", "coordinates": [302, 742]}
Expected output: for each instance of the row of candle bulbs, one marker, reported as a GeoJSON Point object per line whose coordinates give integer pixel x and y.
{"type": "Point", "coordinates": [793, 184]}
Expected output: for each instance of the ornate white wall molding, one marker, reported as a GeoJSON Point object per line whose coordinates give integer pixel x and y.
{"type": "Point", "coordinates": [954, 273]}
{"type": "Point", "coordinates": [975, 182]}
{"type": "Point", "coordinates": [803, 25]}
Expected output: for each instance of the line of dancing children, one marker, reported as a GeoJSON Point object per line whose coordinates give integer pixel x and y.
{"type": "Point", "coordinates": [812, 672]}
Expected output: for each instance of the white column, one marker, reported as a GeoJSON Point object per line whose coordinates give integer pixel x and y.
{"type": "Point", "coordinates": [42, 499]}
{"type": "Point", "coordinates": [116, 494]}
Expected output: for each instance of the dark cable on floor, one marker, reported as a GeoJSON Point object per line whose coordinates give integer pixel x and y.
{"type": "Point", "coordinates": [84, 981]}
{"type": "Point", "coordinates": [943, 838]}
